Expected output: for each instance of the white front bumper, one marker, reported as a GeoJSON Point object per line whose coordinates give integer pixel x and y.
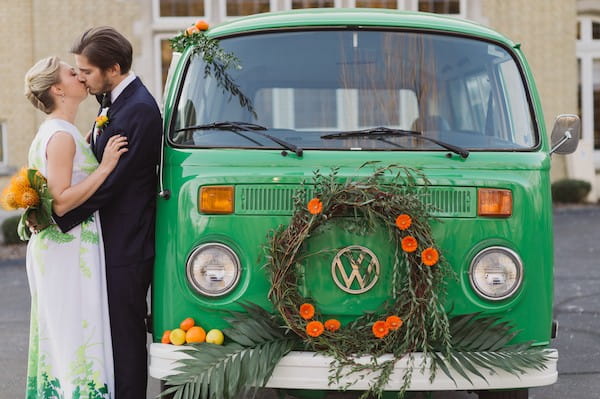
{"type": "Point", "coordinates": [307, 370]}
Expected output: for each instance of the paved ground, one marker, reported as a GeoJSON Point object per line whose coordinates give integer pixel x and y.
{"type": "Point", "coordinates": [577, 308]}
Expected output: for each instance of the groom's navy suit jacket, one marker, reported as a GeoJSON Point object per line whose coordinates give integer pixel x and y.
{"type": "Point", "coordinates": [127, 199]}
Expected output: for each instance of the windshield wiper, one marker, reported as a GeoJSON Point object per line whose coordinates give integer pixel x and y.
{"type": "Point", "coordinates": [238, 127]}
{"type": "Point", "coordinates": [379, 132]}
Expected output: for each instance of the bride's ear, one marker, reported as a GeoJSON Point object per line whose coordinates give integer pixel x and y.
{"type": "Point", "coordinates": [56, 90]}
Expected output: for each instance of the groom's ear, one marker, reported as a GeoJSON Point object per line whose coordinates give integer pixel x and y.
{"type": "Point", "coordinates": [114, 70]}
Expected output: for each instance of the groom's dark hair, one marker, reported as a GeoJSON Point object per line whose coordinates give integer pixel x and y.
{"type": "Point", "coordinates": [104, 47]}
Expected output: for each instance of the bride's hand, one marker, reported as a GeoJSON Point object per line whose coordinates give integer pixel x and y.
{"type": "Point", "coordinates": [115, 147]}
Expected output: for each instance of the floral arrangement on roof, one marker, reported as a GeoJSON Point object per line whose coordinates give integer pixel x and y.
{"type": "Point", "coordinates": [218, 61]}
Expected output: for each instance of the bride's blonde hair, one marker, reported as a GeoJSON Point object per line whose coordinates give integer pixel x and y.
{"type": "Point", "coordinates": [38, 81]}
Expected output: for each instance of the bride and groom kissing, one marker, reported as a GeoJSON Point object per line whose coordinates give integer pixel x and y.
{"type": "Point", "coordinates": [89, 273]}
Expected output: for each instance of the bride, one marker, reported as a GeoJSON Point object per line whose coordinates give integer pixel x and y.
{"type": "Point", "coordinates": [70, 352]}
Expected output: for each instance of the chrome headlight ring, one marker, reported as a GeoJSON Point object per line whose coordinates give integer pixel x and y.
{"type": "Point", "coordinates": [496, 273]}
{"type": "Point", "coordinates": [213, 269]}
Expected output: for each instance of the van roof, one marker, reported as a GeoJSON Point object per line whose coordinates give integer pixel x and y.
{"type": "Point", "coordinates": [315, 17]}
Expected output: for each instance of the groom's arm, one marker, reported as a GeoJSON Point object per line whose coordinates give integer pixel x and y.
{"type": "Point", "coordinates": [143, 138]}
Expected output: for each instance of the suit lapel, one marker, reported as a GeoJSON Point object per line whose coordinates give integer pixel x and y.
{"type": "Point", "coordinates": [125, 94]}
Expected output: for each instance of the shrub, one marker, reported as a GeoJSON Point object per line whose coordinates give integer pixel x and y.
{"type": "Point", "coordinates": [570, 190]}
{"type": "Point", "coordinates": [9, 230]}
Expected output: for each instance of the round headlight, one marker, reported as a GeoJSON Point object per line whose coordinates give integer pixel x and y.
{"type": "Point", "coordinates": [213, 269]}
{"type": "Point", "coordinates": [496, 273]}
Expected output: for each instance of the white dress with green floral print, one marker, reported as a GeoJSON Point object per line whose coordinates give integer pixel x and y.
{"type": "Point", "coordinates": [70, 351]}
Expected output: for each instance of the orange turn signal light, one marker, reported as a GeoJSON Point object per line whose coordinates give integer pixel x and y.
{"type": "Point", "coordinates": [216, 199]}
{"type": "Point", "coordinates": [494, 202]}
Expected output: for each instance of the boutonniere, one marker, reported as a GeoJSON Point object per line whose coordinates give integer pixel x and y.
{"type": "Point", "coordinates": [101, 122]}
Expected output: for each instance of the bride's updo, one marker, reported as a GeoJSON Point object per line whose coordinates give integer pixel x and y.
{"type": "Point", "coordinates": [39, 79]}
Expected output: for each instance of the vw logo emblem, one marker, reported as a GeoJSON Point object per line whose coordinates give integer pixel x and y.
{"type": "Point", "coordinates": [355, 269]}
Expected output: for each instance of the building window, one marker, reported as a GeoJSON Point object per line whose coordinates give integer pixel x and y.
{"type": "Point", "coordinates": [236, 8]}
{"type": "Point", "coordinates": [181, 8]}
{"type": "Point", "coordinates": [588, 55]}
{"type": "Point", "coordinates": [440, 6]}
{"type": "Point", "coordinates": [312, 3]}
{"type": "Point", "coordinates": [377, 4]}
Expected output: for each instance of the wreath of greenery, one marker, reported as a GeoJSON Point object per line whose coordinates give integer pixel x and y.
{"type": "Point", "coordinates": [387, 199]}
{"type": "Point", "coordinates": [466, 345]}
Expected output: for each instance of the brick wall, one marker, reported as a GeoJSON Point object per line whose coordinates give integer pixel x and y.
{"type": "Point", "coordinates": [34, 29]}
{"type": "Point", "coordinates": [546, 29]}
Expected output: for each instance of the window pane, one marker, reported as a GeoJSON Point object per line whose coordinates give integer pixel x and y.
{"type": "Point", "coordinates": [181, 8]}
{"type": "Point", "coordinates": [578, 30]}
{"type": "Point", "coordinates": [315, 108]}
{"type": "Point", "coordinates": [596, 30]}
{"type": "Point", "coordinates": [377, 3]}
{"type": "Point", "coordinates": [312, 3]}
{"type": "Point", "coordinates": [440, 6]}
{"type": "Point", "coordinates": [246, 7]}
{"type": "Point", "coordinates": [301, 85]}
{"type": "Point", "coordinates": [596, 78]}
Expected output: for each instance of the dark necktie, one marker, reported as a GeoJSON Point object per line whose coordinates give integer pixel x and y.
{"type": "Point", "coordinates": [106, 100]}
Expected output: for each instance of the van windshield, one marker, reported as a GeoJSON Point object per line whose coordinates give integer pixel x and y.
{"type": "Point", "coordinates": [303, 87]}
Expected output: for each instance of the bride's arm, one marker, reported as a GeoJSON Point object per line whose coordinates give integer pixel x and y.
{"type": "Point", "coordinates": [60, 153]}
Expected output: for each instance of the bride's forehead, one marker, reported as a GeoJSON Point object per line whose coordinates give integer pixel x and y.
{"type": "Point", "coordinates": [65, 67]}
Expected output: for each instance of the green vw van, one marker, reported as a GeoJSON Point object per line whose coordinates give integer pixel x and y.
{"type": "Point", "coordinates": [327, 89]}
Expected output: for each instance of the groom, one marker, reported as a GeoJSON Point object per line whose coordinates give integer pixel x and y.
{"type": "Point", "coordinates": [126, 200]}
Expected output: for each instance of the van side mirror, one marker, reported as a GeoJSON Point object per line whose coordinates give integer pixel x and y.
{"type": "Point", "coordinates": [565, 134]}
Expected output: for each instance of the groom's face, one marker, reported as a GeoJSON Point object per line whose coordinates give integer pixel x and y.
{"type": "Point", "coordinates": [95, 79]}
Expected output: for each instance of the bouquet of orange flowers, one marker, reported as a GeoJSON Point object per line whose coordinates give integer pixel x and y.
{"type": "Point", "coordinates": [28, 189]}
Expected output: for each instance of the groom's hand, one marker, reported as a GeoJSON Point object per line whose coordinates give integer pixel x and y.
{"type": "Point", "coordinates": [88, 137]}
{"type": "Point", "coordinates": [32, 223]}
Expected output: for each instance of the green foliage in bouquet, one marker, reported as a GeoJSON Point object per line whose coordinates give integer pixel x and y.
{"type": "Point", "coordinates": [39, 214]}
{"type": "Point", "coordinates": [28, 189]}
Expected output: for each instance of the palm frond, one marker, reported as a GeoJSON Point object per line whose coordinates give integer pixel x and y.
{"type": "Point", "coordinates": [483, 343]}
{"type": "Point", "coordinates": [232, 370]}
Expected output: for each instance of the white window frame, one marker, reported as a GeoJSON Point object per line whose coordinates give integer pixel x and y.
{"type": "Point", "coordinates": [587, 51]}
{"type": "Point", "coordinates": [176, 23]}
{"type": "Point", "coordinates": [157, 38]}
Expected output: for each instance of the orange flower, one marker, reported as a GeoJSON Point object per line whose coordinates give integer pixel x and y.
{"type": "Point", "coordinates": [201, 24]}
{"type": "Point", "coordinates": [314, 328]}
{"type": "Point", "coordinates": [332, 325]}
{"type": "Point", "coordinates": [191, 30]}
{"type": "Point", "coordinates": [21, 179]}
{"type": "Point", "coordinates": [409, 244]}
{"type": "Point", "coordinates": [393, 322]}
{"type": "Point", "coordinates": [380, 329]}
{"type": "Point", "coordinates": [307, 311]}
{"type": "Point", "coordinates": [430, 256]}
{"type": "Point", "coordinates": [403, 221]}
{"type": "Point", "coordinates": [30, 197]}
{"type": "Point", "coordinates": [101, 120]}
{"type": "Point", "coordinates": [9, 201]}
{"type": "Point", "coordinates": [315, 206]}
